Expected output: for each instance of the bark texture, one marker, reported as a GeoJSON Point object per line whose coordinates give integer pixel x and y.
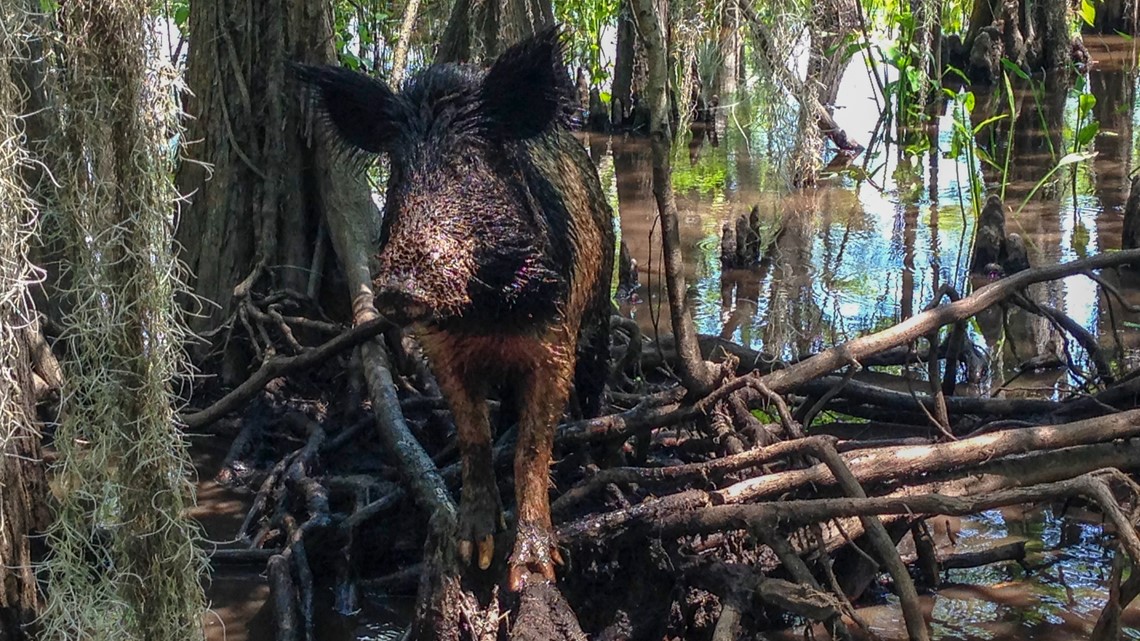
{"type": "Point", "coordinates": [249, 178]}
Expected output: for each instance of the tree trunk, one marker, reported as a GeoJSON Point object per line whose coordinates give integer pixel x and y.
{"type": "Point", "coordinates": [629, 66]}
{"type": "Point", "coordinates": [1130, 235]}
{"type": "Point", "coordinates": [524, 18]}
{"type": "Point", "coordinates": [696, 374]}
{"type": "Point", "coordinates": [400, 58]}
{"type": "Point", "coordinates": [456, 43]}
{"type": "Point", "coordinates": [729, 46]}
{"type": "Point", "coordinates": [982, 16]}
{"type": "Point", "coordinates": [1034, 35]}
{"type": "Point", "coordinates": [490, 18]}
{"type": "Point", "coordinates": [23, 498]}
{"type": "Point", "coordinates": [1056, 40]}
{"type": "Point", "coordinates": [248, 175]}
{"type": "Point", "coordinates": [1114, 91]}
{"type": "Point", "coordinates": [23, 503]}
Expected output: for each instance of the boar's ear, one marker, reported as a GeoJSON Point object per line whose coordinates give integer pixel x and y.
{"type": "Point", "coordinates": [364, 112]}
{"type": "Point", "coordinates": [527, 89]}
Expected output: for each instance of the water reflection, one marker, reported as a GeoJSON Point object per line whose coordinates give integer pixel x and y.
{"type": "Point", "coordinates": [870, 244]}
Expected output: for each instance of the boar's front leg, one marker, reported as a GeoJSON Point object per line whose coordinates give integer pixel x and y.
{"type": "Point", "coordinates": [480, 509]}
{"type": "Point", "coordinates": [545, 391]}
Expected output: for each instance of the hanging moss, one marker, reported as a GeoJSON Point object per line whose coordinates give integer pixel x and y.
{"type": "Point", "coordinates": [21, 470]}
{"type": "Point", "coordinates": [123, 563]}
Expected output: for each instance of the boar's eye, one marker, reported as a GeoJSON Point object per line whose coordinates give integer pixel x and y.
{"type": "Point", "coordinates": [527, 90]}
{"type": "Point", "coordinates": [364, 112]}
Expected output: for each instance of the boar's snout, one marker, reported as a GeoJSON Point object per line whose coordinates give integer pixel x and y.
{"type": "Point", "coordinates": [399, 300]}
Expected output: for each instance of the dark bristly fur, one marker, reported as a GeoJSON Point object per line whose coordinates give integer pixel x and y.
{"type": "Point", "coordinates": [497, 249]}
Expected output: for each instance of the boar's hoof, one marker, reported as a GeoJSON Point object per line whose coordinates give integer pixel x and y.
{"type": "Point", "coordinates": [480, 516]}
{"type": "Point", "coordinates": [536, 552]}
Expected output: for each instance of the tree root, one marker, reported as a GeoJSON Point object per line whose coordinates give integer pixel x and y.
{"type": "Point", "coordinates": [693, 498]}
{"type": "Point", "coordinates": [280, 366]}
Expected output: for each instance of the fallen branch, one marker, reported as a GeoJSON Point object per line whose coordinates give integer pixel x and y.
{"type": "Point", "coordinates": [655, 477]}
{"type": "Point", "coordinates": [868, 466]}
{"type": "Point", "coordinates": [790, 514]}
{"type": "Point", "coordinates": [922, 324]}
{"type": "Point", "coordinates": [880, 540]}
{"type": "Point", "coordinates": [279, 366]}
{"type": "Point", "coordinates": [1014, 551]}
{"type": "Point", "coordinates": [894, 463]}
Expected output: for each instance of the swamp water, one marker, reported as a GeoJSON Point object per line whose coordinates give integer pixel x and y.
{"type": "Point", "coordinates": [863, 249]}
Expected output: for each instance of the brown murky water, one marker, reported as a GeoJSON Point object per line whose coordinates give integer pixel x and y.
{"type": "Point", "coordinates": [861, 251]}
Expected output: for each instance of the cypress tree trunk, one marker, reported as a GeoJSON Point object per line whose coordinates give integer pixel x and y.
{"type": "Point", "coordinates": [629, 64]}
{"type": "Point", "coordinates": [253, 214]}
{"type": "Point", "coordinates": [1117, 15]}
{"type": "Point", "coordinates": [22, 503]}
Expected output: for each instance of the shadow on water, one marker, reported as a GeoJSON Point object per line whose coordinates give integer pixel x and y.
{"type": "Point", "coordinates": [860, 251]}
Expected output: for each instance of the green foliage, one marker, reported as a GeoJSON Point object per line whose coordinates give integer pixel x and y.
{"type": "Point", "coordinates": [1066, 161]}
{"type": "Point", "coordinates": [178, 11]}
{"type": "Point", "coordinates": [584, 22]}
{"type": "Point", "coordinates": [905, 81]}
{"type": "Point", "coordinates": [708, 175]}
{"type": "Point", "coordinates": [361, 32]}
{"type": "Point", "coordinates": [963, 142]}
{"type": "Point", "coordinates": [1087, 12]}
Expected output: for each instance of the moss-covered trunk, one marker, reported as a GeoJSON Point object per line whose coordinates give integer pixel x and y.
{"type": "Point", "coordinates": [22, 499]}
{"type": "Point", "coordinates": [122, 562]}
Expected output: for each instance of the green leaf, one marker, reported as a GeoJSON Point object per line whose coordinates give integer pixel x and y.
{"type": "Point", "coordinates": [1087, 133]}
{"type": "Point", "coordinates": [913, 77]}
{"type": "Point", "coordinates": [1085, 103]}
{"type": "Point", "coordinates": [992, 119]}
{"type": "Point", "coordinates": [955, 147]}
{"type": "Point", "coordinates": [968, 101]}
{"type": "Point", "coordinates": [763, 417]}
{"type": "Point", "coordinates": [854, 48]}
{"type": "Point", "coordinates": [1073, 158]}
{"type": "Point", "coordinates": [954, 71]}
{"type": "Point", "coordinates": [1068, 159]}
{"type": "Point", "coordinates": [182, 17]}
{"type": "Point", "coordinates": [985, 157]}
{"type": "Point", "coordinates": [1088, 12]}
{"type": "Point", "coordinates": [350, 60]}
{"type": "Point", "coordinates": [1013, 68]}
